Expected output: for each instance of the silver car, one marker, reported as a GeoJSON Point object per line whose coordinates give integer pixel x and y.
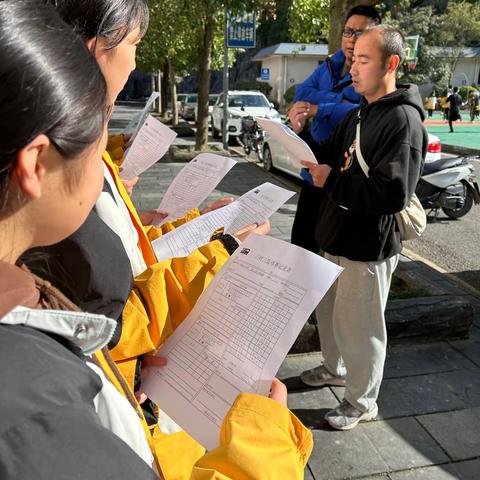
{"type": "Point", "coordinates": [276, 157]}
{"type": "Point", "coordinates": [188, 107]}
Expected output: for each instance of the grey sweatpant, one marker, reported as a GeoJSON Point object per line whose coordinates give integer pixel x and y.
{"type": "Point", "coordinates": [351, 325]}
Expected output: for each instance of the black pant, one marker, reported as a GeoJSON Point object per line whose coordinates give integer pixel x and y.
{"type": "Point", "coordinates": [306, 218]}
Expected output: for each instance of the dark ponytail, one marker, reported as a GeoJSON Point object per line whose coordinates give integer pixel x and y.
{"type": "Point", "coordinates": [50, 84]}
{"type": "Point", "coordinates": [112, 20]}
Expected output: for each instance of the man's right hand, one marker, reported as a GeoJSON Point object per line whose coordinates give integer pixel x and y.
{"type": "Point", "coordinates": [299, 113]}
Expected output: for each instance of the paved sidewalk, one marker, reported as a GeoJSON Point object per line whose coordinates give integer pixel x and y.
{"type": "Point", "coordinates": [429, 422]}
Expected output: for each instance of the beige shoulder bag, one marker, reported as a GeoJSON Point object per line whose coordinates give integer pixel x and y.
{"type": "Point", "coordinates": [412, 220]}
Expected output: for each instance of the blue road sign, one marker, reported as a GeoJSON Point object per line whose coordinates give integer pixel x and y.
{"type": "Point", "coordinates": [241, 31]}
{"type": "Point", "coordinates": [265, 74]}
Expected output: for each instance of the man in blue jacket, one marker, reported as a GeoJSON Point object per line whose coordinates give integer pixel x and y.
{"type": "Point", "coordinates": [326, 96]}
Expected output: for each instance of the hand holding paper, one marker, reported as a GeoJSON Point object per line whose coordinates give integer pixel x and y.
{"type": "Point", "coordinates": [238, 333]}
{"type": "Point", "coordinates": [255, 206]}
{"type": "Point", "coordinates": [151, 143]}
{"type": "Point", "coordinates": [137, 122]}
{"type": "Point", "coordinates": [194, 183]}
{"type": "Point", "coordinates": [297, 148]}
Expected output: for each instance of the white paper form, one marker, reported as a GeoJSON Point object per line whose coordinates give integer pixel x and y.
{"type": "Point", "coordinates": [296, 148]}
{"type": "Point", "coordinates": [137, 122]}
{"type": "Point", "coordinates": [151, 143]}
{"type": "Point", "coordinates": [237, 335]}
{"type": "Point", "coordinates": [194, 184]}
{"type": "Point", "coordinates": [254, 206]}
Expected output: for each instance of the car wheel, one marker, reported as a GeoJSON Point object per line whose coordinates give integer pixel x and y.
{"type": "Point", "coordinates": [267, 159]}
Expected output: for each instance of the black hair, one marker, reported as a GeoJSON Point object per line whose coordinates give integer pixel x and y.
{"type": "Point", "coordinates": [51, 85]}
{"type": "Point", "coordinates": [393, 41]}
{"type": "Point", "coordinates": [455, 89]}
{"type": "Point", "coordinates": [365, 11]}
{"type": "Point", "coordinates": [112, 20]}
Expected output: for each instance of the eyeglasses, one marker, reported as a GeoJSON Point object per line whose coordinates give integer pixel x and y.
{"type": "Point", "coordinates": [349, 32]}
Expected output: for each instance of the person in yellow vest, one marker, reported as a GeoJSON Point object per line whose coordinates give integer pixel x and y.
{"type": "Point", "coordinates": [114, 270]}
{"type": "Point", "coordinates": [60, 394]}
{"type": "Point", "coordinates": [431, 104]}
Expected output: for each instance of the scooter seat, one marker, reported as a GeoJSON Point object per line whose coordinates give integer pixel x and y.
{"type": "Point", "coordinates": [442, 164]}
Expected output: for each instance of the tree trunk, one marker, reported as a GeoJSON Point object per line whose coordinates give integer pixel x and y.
{"type": "Point", "coordinates": [164, 91]}
{"type": "Point", "coordinates": [173, 93]}
{"type": "Point", "coordinates": [204, 70]}
{"type": "Point", "coordinates": [158, 104]}
{"type": "Point", "coordinates": [338, 12]}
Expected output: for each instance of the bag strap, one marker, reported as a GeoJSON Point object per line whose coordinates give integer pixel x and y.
{"type": "Point", "coordinates": [361, 160]}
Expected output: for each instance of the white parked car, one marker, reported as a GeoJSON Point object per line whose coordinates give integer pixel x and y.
{"type": "Point", "coordinates": [241, 104]}
{"type": "Point", "coordinates": [188, 107]}
{"type": "Point", "coordinates": [180, 99]}
{"type": "Point", "coordinates": [434, 151]}
{"type": "Point", "coordinates": [212, 99]}
{"type": "Point", "coordinates": [276, 157]}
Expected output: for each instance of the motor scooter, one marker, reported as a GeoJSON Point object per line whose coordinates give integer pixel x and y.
{"type": "Point", "coordinates": [252, 137]}
{"type": "Point", "coordinates": [450, 185]}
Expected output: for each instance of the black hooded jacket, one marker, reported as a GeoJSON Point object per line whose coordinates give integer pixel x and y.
{"type": "Point", "coordinates": [356, 218]}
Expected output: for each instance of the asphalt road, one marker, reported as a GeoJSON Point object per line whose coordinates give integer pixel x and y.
{"type": "Point", "coordinates": [454, 245]}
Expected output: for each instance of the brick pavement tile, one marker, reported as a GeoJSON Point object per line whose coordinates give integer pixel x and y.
{"type": "Point", "coordinates": [407, 360]}
{"type": "Point", "coordinates": [294, 365]}
{"type": "Point", "coordinates": [429, 473]}
{"type": "Point", "coordinates": [471, 347]}
{"type": "Point", "coordinates": [308, 475]}
{"type": "Point", "coordinates": [340, 455]}
{"type": "Point", "coordinates": [457, 432]}
{"type": "Point", "coordinates": [373, 448]}
{"type": "Point", "coordinates": [311, 406]}
{"type": "Point", "coordinates": [432, 393]}
{"type": "Point", "coordinates": [403, 444]}
{"type": "Point", "coordinates": [468, 470]}
{"type": "Point", "coordinates": [382, 476]}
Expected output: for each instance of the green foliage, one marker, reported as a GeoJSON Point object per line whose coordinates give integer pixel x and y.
{"type": "Point", "coordinates": [289, 94]}
{"type": "Point", "coordinates": [460, 25]}
{"type": "Point", "coordinates": [263, 87]}
{"type": "Point", "coordinates": [449, 24]}
{"type": "Point", "coordinates": [465, 91]}
{"type": "Point", "coordinates": [169, 37]}
{"type": "Point", "coordinates": [273, 24]}
{"type": "Point", "coordinates": [308, 20]}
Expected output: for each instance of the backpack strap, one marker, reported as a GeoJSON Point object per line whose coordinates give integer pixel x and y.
{"type": "Point", "coordinates": [358, 151]}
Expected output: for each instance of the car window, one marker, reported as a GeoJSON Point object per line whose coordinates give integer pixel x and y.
{"type": "Point", "coordinates": [192, 99]}
{"type": "Point", "coordinates": [212, 100]}
{"type": "Point", "coordinates": [248, 101]}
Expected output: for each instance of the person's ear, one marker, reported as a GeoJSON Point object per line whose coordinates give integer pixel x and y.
{"type": "Point", "coordinates": [91, 44]}
{"type": "Point", "coordinates": [393, 63]}
{"type": "Point", "coordinates": [29, 168]}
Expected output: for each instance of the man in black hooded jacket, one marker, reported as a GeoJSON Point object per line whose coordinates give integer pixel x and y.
{"type": "Point", "coordinates": [357, 227]}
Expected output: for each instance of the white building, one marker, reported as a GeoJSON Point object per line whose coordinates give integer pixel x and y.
{"type": "Point", "coordinates": [289, 64]}
{"type": "Point", "coordinates": [467, 69]}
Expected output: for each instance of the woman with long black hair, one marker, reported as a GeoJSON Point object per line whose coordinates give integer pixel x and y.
{"type": "Point", "coordinates": [96, 266]}
{"type": "Point", "coordinates": [59, 416]}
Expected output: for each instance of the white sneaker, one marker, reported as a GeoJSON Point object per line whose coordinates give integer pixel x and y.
{"type": "Point", "coordinates": [346, 416]}
{"type": "Point", "coordinates": [320, 376]}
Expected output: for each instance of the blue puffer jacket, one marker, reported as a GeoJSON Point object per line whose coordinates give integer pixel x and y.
{"type": "Point", "coordinates": [333, 94]}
